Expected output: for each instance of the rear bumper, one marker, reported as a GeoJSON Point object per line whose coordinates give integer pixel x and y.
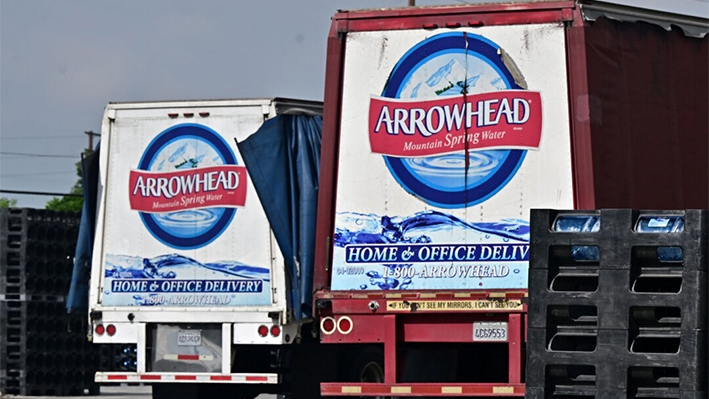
{"type": "Point", "coordinates": [420, 389]}
{"type": "Point", "coordinates": [239, 378]}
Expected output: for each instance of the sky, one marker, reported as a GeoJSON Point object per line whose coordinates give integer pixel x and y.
{"type": "Point", "coordinates": [62, 61]}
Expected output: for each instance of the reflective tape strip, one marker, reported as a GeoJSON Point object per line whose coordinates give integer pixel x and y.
{"type": "Point", "coordinates": [503, 390]}
{"type": "Point", "coordinates": [188, 357]}
{"type": "Point", "coordinates": [179, 377]}
{"type": "Point", "coordinates": [256, 378]}
{"type": "Point", "coordinates": [427, 295]}
{"type": "Point", "coordinates": [400, 389]}
{"type": "Point", "coordinates": [423, 389]}
{"type": "Point", "coordinates": [498, 294]}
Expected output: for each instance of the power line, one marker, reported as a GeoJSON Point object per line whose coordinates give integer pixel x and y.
{"type": "Point", "coordinates": [38, 138]}
{"type": "Point", "coordinates": [38, 174]}
{"type": "Point", "coordinates": [41, 136]}
{"type": "Point", "coordinates": [40, 193]}
{"type": "Point", "coordinates": [24, 154]}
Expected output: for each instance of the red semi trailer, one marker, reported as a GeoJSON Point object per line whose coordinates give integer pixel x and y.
{"type": "Point", "coordinates": [443, 127]}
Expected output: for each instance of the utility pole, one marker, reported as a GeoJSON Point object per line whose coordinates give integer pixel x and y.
{"type": "Point", "coordinates": [91, 135]}
{"type": "Point", "coordinates": [412, 3]}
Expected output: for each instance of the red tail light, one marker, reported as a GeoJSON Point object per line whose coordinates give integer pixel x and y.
{"type": "Point", "coordinates": [111, 330]}
{"type": "Point", "coordinates": [344, 325]}
{"type": "Point", "coordinates": [100, 329]}
{"type": "Point", "coordinates": [263, 331]}
{"type": "Point", "coordinates": [328, 325]}
{"type": "Point", "coordinates": [275, 331]}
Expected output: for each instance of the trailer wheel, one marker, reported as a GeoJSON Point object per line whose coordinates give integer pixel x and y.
{"type": "Point", "coordinates": [369, 367]}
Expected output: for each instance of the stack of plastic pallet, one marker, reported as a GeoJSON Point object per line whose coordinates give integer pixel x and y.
{"type": "Point", "coordinates": [618, 304]}
{"type": "Point", "coordinates": [43, 351]}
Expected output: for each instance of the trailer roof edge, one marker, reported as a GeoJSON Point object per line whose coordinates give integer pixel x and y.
{"type": "Point", "coordinates": [691, 20]}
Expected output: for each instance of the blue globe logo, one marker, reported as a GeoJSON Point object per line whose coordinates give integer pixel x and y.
{"type": "Point", "coordinates": [445, 65]}
{"type": "Point", "coordinates": [187, 146]}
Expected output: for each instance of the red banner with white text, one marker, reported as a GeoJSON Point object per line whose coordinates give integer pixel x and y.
{"type": "Point", "coordinates": [213, 186]}
{"type": "Point", "coordinates": [506, 119]}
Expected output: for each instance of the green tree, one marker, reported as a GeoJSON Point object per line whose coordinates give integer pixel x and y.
{"type": "Point", "coordinates": [69, 203]}
{"type": "Point", "coordinates": [7, 203]}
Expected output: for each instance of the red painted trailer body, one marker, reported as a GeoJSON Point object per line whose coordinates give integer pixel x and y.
{"type": "Point", "coordinates": [624, 124]}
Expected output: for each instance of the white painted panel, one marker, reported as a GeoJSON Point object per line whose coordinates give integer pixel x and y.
{"type": "Point", "coordinates": [428, 222]}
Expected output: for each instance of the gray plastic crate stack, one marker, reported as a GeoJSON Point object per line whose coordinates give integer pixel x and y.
{"type": "Point", "coordinates": [618, 305]}
{"type": "Point", "coordinates": [43, 351]}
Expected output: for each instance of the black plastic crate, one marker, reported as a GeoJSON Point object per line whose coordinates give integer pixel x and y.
{"type": "Point", "coordinates": [29, 363]}
{"type": "Point", "coordinates": [23, 218]}
{"type": "Point", "coordinates": [612, 353]}
{"type": "Point", "coordinates": [3, 228]}
{"type": "Point", "coordinates": [646, 274]}
{"type": "Point", "coordinates": [40, 256]}
{"type": "Point", "coordinates": [615, 298]}
{"type": "Point", "coordinates": [42, 325]}
{"type": "Point", "coordinates": [617, 238]}
{"type": "Point", "coordinates": [44, 384]}
{"type": "Point", "coordinates": [36, 255]}
{"type": "Point", "coordinates": [24, 229]}
{"type": "Point", "coordinates": [17, 284]}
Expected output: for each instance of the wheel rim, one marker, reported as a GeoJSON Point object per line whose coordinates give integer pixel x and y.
{"type": "Point", "coordinates": [372, 372]}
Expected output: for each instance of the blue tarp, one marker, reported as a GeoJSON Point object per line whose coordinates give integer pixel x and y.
{"type": "Point", "coordinates": [78, 299]}
{"type": "Point", "coordinates": [283, 160]}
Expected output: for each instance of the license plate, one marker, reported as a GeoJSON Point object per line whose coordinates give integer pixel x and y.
{"type": "Point", "coordinates": [189, 337]}
{"type": "Point", "coordinates": [489, 331]}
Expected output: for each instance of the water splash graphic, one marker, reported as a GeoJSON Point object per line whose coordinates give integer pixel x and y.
{"type": "Point", "coordinates": [357, 228]}
{"type": "Point", "coordinates": [175, 266]}
{"type": "Point", "coordinates": [427, 227]}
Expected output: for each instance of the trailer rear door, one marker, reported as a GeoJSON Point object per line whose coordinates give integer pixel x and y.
{"type": "Point", "coordinates": [412, 210]}
{"type": "Point", "coordinates": [180, 224]}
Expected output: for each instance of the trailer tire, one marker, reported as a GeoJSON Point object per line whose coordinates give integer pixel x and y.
{"type": "Point", "coordinates": [368, 367]}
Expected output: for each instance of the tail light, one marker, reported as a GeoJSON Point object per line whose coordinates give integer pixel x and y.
{"type": "Point", "coordinates": [262, 331]}
{"type": "Point", "coordinates": [328, 325]}
{"type": "Point", "coordinates": [100, 329]}
{"type": "Point", "coordinates": [111, 330]}
{"type": "Point", "coordinates": [344, 325]}
{"type": "Point", "coordinates": [275, 331]}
